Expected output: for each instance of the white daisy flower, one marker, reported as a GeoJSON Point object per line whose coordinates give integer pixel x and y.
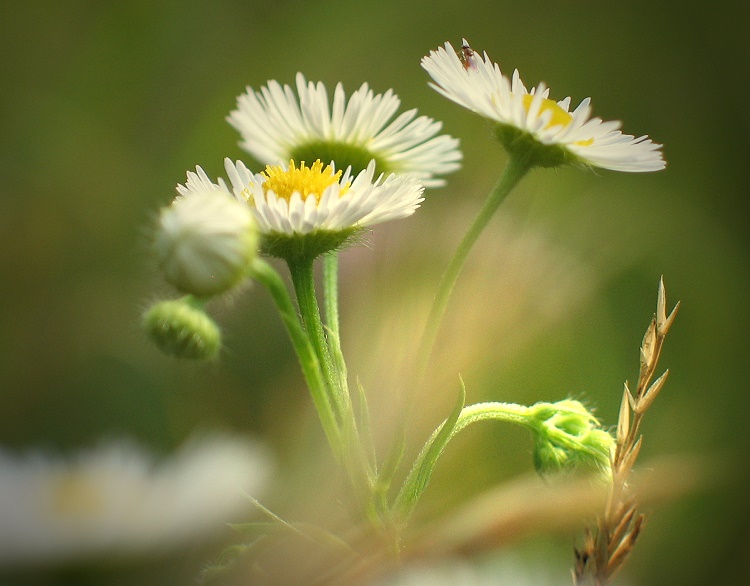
{"type": "Point", "coordinates": [318, 207]}
{"type": "Point", "coordinates": [205, 238]}
{"type": "Point", "coordinates": [277, 125]}
{"type": "Point", "coordinates": [530, 120]}
{"type": "Point", "coordinates": [114, 501]}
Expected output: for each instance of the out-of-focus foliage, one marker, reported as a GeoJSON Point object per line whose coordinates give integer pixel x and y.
{"type": "Point", "coordinates": [106, 105]}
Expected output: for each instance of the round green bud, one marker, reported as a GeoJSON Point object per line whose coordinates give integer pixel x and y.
{"type": "Point", "coordinates": [181, 328]}
{"type": "Point", "coordinates": [205, 241]}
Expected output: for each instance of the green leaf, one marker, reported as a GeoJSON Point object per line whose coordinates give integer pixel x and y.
{"type": "Point", "coordinates": [421, 472]}
{"type": "Point", "coordinates": [364, 425]}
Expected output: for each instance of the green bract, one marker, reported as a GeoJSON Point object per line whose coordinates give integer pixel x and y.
{"type": "Point", "coordinates": [525, 146]}
{"type": "Point", "coordinates": [292, 247]}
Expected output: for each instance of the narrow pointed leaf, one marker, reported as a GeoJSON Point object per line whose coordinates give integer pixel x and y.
{"type": "Point", "coordinates": [420, 474]}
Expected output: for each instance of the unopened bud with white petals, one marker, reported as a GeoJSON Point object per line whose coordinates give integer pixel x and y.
{"type": "Point", "coordinates": [206, 239]}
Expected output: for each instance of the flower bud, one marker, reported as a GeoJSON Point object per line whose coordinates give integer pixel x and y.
{"type": "Point", "coordinates": [205, 241]}
{"type": "Point", "coordinates": [566, 435]}
{"type": "Point", "coordinates": [181, 328]}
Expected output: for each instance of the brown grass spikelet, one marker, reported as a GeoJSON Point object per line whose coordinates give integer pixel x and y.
{"type": "Point", "coordinates": [607, 546]}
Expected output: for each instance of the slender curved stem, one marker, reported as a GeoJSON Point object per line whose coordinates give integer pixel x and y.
{"type": "Point", "coordinates": [331, 304]}
{"type": "Point", "coordinates": [328, 350]}
{"type": "Point", "coordinates": [355, 430]}
{"type": "Point", "coordinates": [265, 274]}
{"type": "Point", "coordinates": [515, 170]}
{"type": "Point", "coordinates": [412, 487]}
{"type": "Point", "coordinates": [331, 291]}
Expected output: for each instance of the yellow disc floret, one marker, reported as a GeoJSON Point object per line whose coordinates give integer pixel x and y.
{"type": "Point", "coordinates": [559, 116]}
{"type": "Point", "coordinates": [304, 180]}
{"type": "Point", "coordinates": [75, 493]}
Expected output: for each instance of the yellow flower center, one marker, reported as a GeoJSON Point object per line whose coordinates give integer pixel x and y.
{"type": "Point", "coordinates": [559, 116]}
{"type": "Point", "coordinates": [75, 494]}
{"type": "Point", "coordinates": [306, 181]}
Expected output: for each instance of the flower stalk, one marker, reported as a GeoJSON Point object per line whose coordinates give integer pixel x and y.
{"type": "Point", "coordinates": [325, 344]}
{"type": "Point", "coordinates": [309, 361]}
{"type": "Point", "coordinates": [516, 168]}
{"type": "Point", "coordinates": [565, 434]}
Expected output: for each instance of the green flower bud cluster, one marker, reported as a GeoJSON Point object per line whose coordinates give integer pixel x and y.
{"type": "Point", "coordinates": [567, 435]}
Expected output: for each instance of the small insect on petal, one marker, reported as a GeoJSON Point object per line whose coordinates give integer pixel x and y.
{"type": "Point", "coordinates": [467, 56]}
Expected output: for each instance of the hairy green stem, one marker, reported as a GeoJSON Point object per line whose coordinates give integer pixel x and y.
{"type": "Point", "coordinates": [331, 291]}
{"type": "Point", "coordinates": [303, 279]}
{"type": "Point", "coordinates": [331, 304]}
{"type": "Point", "coordinates": [515, 170]}
{"type": "Point", "coordinates": [265, 274]}
{"type": "Point", "coordinates": [355, 431]}
{"type": "Point", "coordinates": [328, 351]}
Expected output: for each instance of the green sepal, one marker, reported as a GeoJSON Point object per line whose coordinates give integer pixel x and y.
{"type": "Point", "coordinates": [293, 247]}
{"type": "Point", "coordinates": [524, 145]}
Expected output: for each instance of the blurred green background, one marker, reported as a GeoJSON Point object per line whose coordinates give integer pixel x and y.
{"type": "Point", "coordinates": [106, 105]}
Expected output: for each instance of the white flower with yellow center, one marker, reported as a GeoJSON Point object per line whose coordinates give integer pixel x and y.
{"type": "Point", "coordinates": [549, 132]}
{"type": "Point", "coordinates": [303, 210]}
{"type": "Point", "coordinates": [115, 501]}
{"type": "Point", "coordinates": [277, 125]}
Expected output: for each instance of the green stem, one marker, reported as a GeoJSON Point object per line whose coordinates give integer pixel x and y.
{"type": "Point", "coordinates": [331, 291]}
{"type": "Point", "coordinates": [331, 304]}
{"type": "Point", "coordinates": [265, 274]}
{"type": "Point", "coordinates": [309, 340]}
{"type": "Point", "coordinates": [515, 170]}
{"type": "Point", "coordinates": [416, 481]}
{"type": "Point", "coordinates": [361, 465]}
{"type": "Point", "coordinates": [303, 279]}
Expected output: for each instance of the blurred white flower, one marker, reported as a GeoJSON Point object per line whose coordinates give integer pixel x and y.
{"type": "Point", "coordinates": [277, 126]}
{"type": "Point", "coordinates": [116, 501]}
{"type": "Point", "coordinates": [503, 568]}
